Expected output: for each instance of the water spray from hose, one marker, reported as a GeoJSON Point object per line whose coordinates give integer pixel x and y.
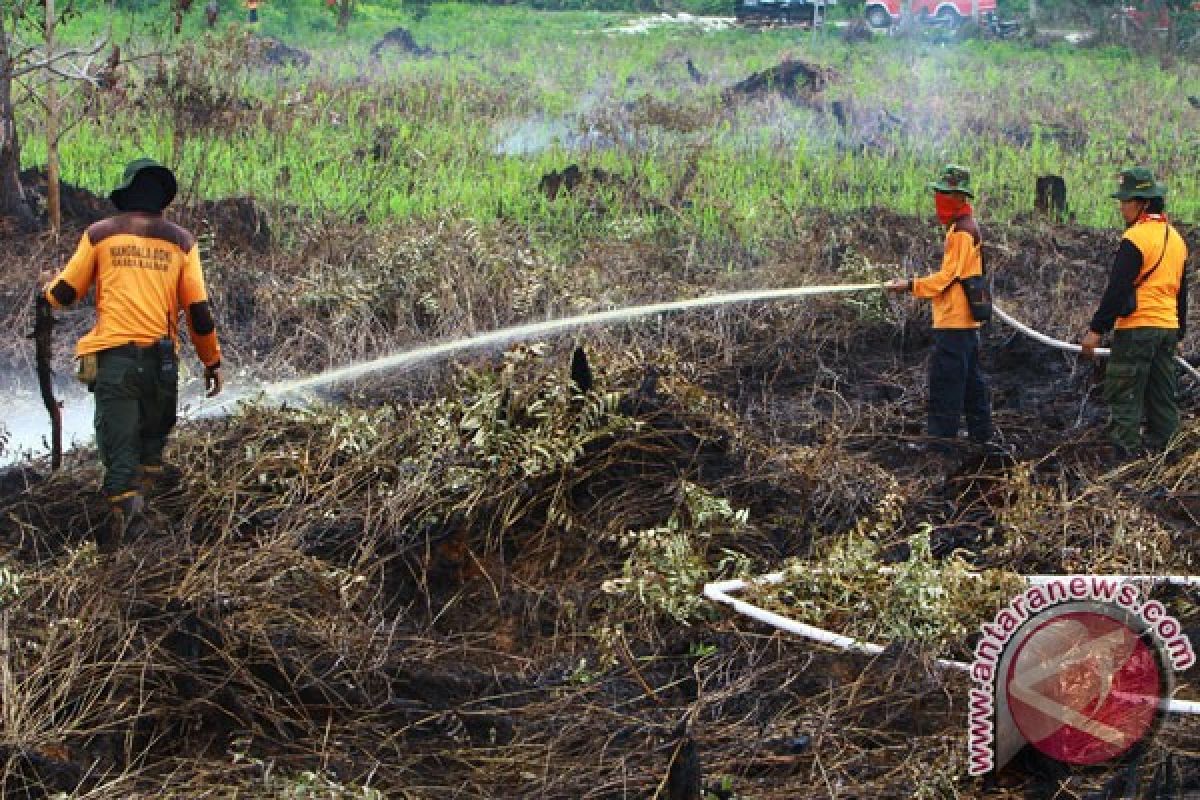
{"type": "Point", "coordinates": [411, 358]}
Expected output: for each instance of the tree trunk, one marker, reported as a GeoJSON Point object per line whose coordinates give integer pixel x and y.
{"type": "Point", "coordinates": [53, 202]}
{"type": "Point", "coordinates": [12, 198]}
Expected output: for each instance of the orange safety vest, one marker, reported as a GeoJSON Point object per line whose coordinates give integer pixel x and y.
{"type": "Point", "coordinates": [1158, 294]}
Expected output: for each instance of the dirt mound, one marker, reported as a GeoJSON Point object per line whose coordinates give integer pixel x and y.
{"type": "Point", "coordinates": [858, 31]}
{"type": "Point", "coordinates": [592, 183]}
{"type": "Point", "coordinates": [1025, 136]}
{"type": "Point", "coordinates": [79, 206]}
{"type": "Point", "coordinates": [274, 53]}
{"type": "Point", "coordinates": [799, 81]}
{"type": "Point", "coordinates": [571, 177]}
{"type": "Point", "coordinates": [238, 223]}
{"type": "Point", "coordinates": [196, 89]}
{"type": "Point", "coordinates": [864, 128]}
{"type": "Point", "coordinates": [402, 39]}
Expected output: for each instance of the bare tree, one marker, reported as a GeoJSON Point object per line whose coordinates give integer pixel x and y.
{"type": "Point", "coordinates": [20, 59]}
{"type": "Point", "coordinates": [12, 198]}
{"type": "Point", "coordinates": [53, 198]}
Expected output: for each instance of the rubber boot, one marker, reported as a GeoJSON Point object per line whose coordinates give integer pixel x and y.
{"type": "Point", "coordinates": [147, 480]}
{"type": "Point", "coordinates": [123, 509]}
{"type": "Point", "coordinates": [159, 480]}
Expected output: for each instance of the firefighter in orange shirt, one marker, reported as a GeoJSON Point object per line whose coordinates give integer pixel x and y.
{"type": "Point", "coordinates": [1146, 301]}
{"type": "Point", "coordinates": [146, 271]}
{"type": "Point", "coordinates": [957, 384]}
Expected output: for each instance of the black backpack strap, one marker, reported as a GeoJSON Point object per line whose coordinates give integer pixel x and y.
{"type": "Point", "coordinates": [1143, 278]}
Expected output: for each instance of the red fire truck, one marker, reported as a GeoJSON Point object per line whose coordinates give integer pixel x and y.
{"type": "Point", "coordinates": [1140, 17]}
{"type": "Point", "coordinates": [1143, 16]}
{"type": "Point", "coordinates": [884, 13]}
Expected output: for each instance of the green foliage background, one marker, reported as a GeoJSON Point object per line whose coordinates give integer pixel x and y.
{"type": "Point", "coordinates": [1053, 8]}
{"type": "Point", "coordinates": [472, 129]}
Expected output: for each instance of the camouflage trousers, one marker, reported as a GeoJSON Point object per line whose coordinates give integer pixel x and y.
{"type": "Point", "coordinates": [1140, 384]}
{"type": "Point", "coordinates": [135, 411]}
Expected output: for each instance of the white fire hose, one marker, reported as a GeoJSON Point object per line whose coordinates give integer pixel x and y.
{"type": "Point", "coordinates": [722, 592]}
{"type": "Point", "coordinates": [1073, 348]}
{"type": "Point", "coordinates": [411, 358]}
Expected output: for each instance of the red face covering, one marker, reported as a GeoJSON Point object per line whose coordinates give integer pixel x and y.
{"type": "Point", "coordinates": [950, 206]}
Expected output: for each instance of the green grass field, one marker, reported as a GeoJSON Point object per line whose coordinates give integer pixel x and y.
{"type": "Point", "coordinates": [511, 93]}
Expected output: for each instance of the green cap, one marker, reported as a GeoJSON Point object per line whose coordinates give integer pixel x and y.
{"type": "Point", "coordinates": [953, 179]}
{"type": "Point", "coordinates": [133, 169]}
{"type": "Point", "coordinates": [1138, 182]}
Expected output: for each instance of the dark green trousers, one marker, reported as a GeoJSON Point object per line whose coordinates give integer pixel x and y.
{"type": "Point", "coordinates": [1139, 385]}
{"type": "Point", "coordinates": [135, 411]}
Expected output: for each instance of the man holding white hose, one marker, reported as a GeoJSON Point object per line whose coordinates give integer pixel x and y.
{"type": "Point", "coordinates": [1146, 300]}
{"type": "Point", "coordinates": [957, 384]}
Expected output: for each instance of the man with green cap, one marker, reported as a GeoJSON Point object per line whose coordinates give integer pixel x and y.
{"type": "Point", "coordinates": [1146, 300]}
{"type": "Point", "coordinates": [957, 384]}
{"type": "Point", "coordinates": [146, 271]}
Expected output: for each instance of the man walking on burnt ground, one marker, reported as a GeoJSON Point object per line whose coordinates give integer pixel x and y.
{"type": "Point", "coordinates": [957, 385]}
{"type": "Point", "coordinates": [146, 271]}
{"type": "Point", "coordinates": [1146, 300]}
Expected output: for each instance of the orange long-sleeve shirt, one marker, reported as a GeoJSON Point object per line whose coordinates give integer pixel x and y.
{"type": "Point", "coordinates": [145, 270]}
{"type": "Point", "coordinates": [962, 259]}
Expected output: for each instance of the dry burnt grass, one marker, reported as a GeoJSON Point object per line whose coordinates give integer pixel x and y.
{"type": "Point", "coordinates": [408, 589]}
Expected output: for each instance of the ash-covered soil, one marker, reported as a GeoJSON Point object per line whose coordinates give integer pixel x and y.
{"type": "Point", "coordinates": [428, 588]}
